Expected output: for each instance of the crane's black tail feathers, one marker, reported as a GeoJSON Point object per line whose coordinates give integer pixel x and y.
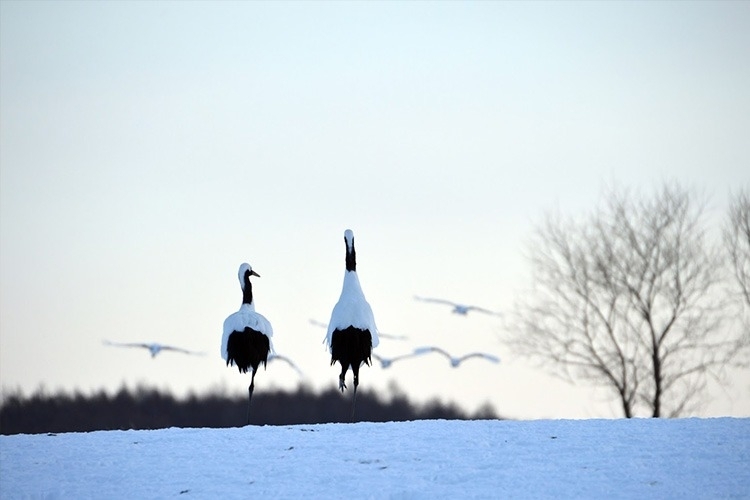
{"type": "Point", "coordinates": [351, 347]}
{"type": "Point", "coordinates": [248, 349]}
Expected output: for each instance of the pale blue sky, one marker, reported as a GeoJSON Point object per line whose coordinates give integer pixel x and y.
{"type": "Point", "coordinates": [148, 148]}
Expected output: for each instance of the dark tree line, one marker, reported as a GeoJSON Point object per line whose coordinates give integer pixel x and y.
{"type": "Point", "coordinates": [147, 408]}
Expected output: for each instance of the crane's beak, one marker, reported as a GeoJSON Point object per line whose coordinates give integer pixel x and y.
{"type": "Point", "coordinates": [253, 273]}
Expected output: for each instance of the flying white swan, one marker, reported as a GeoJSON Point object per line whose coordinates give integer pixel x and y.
{"type": "Point", "coordinates": [153, 347]}
{"type": "Point", "coordinates": [455, 361]}
{"type": "Point", "coordinates": [461, 309]}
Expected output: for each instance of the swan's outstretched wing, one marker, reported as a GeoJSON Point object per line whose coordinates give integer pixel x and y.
{"type": "Point", "coordinates": [387, 362]}
{"type": "Point", "coordinates": [483, 310]}
{"type": "Point", "coordinates": [384, 362]}
{"type": "Point", "coordinates": [462, 309]}
{"type": "Point", "coordinates": [428, 349]}
{"type": "Point", "coordinates": [180, 349]}
{"type": "Point", "coordinates": [273, 357]}
{"type": "Point", "coordinates": [127, 344]}
{"type": "Point", "coordinates": [455, 361]}
{"type": "Point", "coordinates": [318, 323]}
{"type": "Point", "coordinates": [154, 347]}
{"type": "Point", "coordinates": [436, 301]}
{"type": "Point", "coordinates": [483, 355]}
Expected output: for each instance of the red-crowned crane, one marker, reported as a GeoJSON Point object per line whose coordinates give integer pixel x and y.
{"type": "Point", "coordinates": [153, 347]}
{"type": "Point", "coordinates": [351, 331]}
{"type": "Point", "coordinates": [246, 341]}
{"type": "Point", "coordinates": [460, 309]}
{"type": "Point", "coordinates": [455, 361]}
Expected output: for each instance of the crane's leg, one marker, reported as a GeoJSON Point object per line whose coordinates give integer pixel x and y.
{"type": "Point", "coordinates": [356, 383]}
{"type": "Point", "coordinates": [250, 395]}
{"type": "Point", "coordinates": [342, 385]}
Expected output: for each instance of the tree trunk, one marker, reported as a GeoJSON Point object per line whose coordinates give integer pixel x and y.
{"type": "Point", "coordinates": [656, 403]}
{"type": "Point", "coordinates": [627, 411]}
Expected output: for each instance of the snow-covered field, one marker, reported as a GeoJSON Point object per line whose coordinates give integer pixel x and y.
{"type": "Point", "coordinates": [638, 458]}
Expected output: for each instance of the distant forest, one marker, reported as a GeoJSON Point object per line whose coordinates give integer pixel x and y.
{"type": "Point", "coordinates": [148, 408]}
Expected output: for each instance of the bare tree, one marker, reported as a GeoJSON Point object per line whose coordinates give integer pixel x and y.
{"type": "Point", "coordinates": [737, 242]}
{"type": "Point", "coordinates": [628, 299]}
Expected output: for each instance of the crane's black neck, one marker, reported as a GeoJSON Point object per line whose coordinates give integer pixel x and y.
{"type": "Point", "coordinates": [247, 289]}
{"type": "Point", "coordinates": [351, 257]}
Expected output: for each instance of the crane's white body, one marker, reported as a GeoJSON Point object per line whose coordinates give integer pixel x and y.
{"type": "Point", "coordinates": [244, 318]}
{"type": "Point", "coordinates": [352, 309]}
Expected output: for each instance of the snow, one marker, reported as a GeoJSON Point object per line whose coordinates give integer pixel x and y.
{"type": "Point", "coordinates": [635, 458]}
{"type": "Point", "coordinates": [245, 317]}
{"type": "Point", "coordinates": [352, 310]}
